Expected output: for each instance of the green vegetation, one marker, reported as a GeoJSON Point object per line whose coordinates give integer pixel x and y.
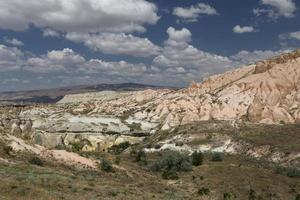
{"type": "Point", "coordinates": [197, 158]}
{"type": "Point", "coordinates": [169, 175]}
{"type": "Point", "coordinates": [217, 157]}
{"type": "Point", "coordinates": [34, 160]}
{"type": "Point", "coordinates": [118, 149]}
{"type": "Point", "coordinates": [288, 171]}
{"type": "Point", "coordinates": [106, 166]}
{"type": "Point", "coordinates": [173, 161]}
{"type": "Point", "coordinates": [203, 191]}
{"type": "Point", "coordinates": [141, 157]}
{"type": "Point", "coordinates": [7, 149]}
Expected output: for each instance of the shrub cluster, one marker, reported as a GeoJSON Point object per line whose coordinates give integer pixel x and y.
{"type": "Point", "coordinates": [197, 158]}
{"type": "Point", "coordinates": [290, 172]}
{"type": "Point", "coordinates": [203, 191]}
{"type": "Point", "coordinates": [34, 160]}
{"type": "Point", "coordinates": [118, 149]}
{"type": "Point", "coordinates": [173, 162]}
{"type": "Point", "coordinates": [106, 166]}
{"type": "Point", "coordinates": [217, 157]}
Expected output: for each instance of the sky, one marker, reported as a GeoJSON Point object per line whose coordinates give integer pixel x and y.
{"type": "Point", "coordinates": [56, 43]}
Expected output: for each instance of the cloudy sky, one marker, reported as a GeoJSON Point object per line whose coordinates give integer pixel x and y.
{"type": "Point", "coordinates": [54, 43]}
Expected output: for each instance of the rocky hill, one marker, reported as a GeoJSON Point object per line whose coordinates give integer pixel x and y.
{"type": "Point", "coordinates": [265, 92]}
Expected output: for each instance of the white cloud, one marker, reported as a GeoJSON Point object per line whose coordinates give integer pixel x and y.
{"type": "Point", "coordinates": [120, 68]}
{"type": "Point", "coordinates": [10, 58]}
{"type": "Point", "coordinates": [192, 13]}
{"type": "Point", "coordinates": [248, 57]}
{"type": "Point", "coordinates": [50, 33]}
{"type": "Point", "coordinates": [292, 35]}
{"type": "Point", "coordinates": [111, 43]}
{"type": "Point", "coordinates": [295, 35]}
{"type": "Point", "coordinates": [186, 62]}
{"type": "Point", "coordinates": [243, 29]}
{"type": "Point", "coordinates": [277, 8]}
{"type": "Point", "coordinates": [56, 60]}
{"type": "Point", "coordinates": [78, 15]}
{"type": "Point", "coordinates": [13, 41]}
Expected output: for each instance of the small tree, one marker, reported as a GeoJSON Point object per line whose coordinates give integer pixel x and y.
{"type": "Point", "coordinates": [203, 191]}
{"type": "Point", "coordinates": [34, 160]}
{"type": "Point", "coordinates": [141, 157]}
{"type": "Point", "coordinates": [217, 157]}
{"type": "Point", "coordinates": [197, 158]}
{"type": "Point", "coordinates": [106, 166]}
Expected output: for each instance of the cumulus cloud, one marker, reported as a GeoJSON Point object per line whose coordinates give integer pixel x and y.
{"type": "Point", "coordinates": [276, 9]}
{"type": "Point", "coordinates": [13, 41]}
{"type": "Point", "coordinates": [180, 59]}
{"type": "Point", "coordinates": [243, 29]}
{"type": "Point", "coordinates": [11, 58]}
{"type": "Point", "coordinates": [192, 13]}
{"type": "Point", "coordinates": [112, 43]}
{"type": "Point", "coordinates": [292, 35]}
{"type": "Point", "coordinates": [50, 33]}
{"type": "Point", "coordinates": [78, 15]}
{"type": "Point", "coordinates": [248, 57]}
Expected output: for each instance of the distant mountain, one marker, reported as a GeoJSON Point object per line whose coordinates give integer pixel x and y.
{"type": "Point", "coordinates": [56, 94]}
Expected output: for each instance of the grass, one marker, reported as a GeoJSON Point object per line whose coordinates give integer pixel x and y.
{"type": "Point", "coordinates": [283, 137]}
{"type": "Point", "coordinates": [234, 175]}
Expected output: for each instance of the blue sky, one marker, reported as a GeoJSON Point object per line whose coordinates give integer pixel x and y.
{"type": "Point", "coordinates": [51, 43]}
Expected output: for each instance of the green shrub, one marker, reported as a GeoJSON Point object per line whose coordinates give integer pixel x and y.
{"type": "Point", "coordinates": [293, 173]}
{"type": "Point", "coordinates": [7, 149]}
{"type": "Point", "coordinates": [252, 195]}
{"type": "Point", "coordinates": [203, 191]}
{"type": "Point", "coordinates": [169, 175]}
{"type": "Point", "coordinates": [118, 149]}
{"type": "Point", "coordinates": [172, 162]}
{"type": "Point", "coordinates": [217, 157]}
{"type": "Point", "coordinates": [117, 160]}
{"type": "Point", "coordinates": [106, 166]}
{"type": "Point", "coordinates": [141, 157]}
{"type": "Point", "coordinates": [229, 196]}
{"type": "Point", "coordinates": [297, 197]}
{"type": "Point", "coordinates": [197, 158]}
{"type": "Point", "coordinates": [34, 160]}
{"type": "Point", "coordinates": [280, 170]}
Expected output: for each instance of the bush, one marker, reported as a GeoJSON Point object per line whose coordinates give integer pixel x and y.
{"type": "Point", "coordinates": [216, 157]}
{"type": "Point", "coordinates": [169, 175]}
{"type": "Point", "coordinates": [36, 161]}
{"type": "Point", "coordinates": [229, 196]}
{"type": "Point", "coordinates": [252, 195]}
{"type": "Point", "coordinates": [172, 162]}
{"type": "Point", "coordinates": [7, 149]}
{"type": "Point", "coordinates": [118, 149]}
{"type": "Point", "coordinates": [293, 173]}
{"type": "Point", "coordinates": [203, 191]}
{"type": "Point", "coordinates": [117, 160]}
{"type": "Point", "coordinates": [197, 158]}
{"type": "Point", "coordinates": [141, 157]}
{"type": "Point", "coordinates": [106, 166]}
{"type": "Point", "coordinates": [297, 197]}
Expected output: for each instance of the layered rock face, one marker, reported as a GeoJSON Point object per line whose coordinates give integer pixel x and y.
{"type": "Point", "coordinates": [265, 92]}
